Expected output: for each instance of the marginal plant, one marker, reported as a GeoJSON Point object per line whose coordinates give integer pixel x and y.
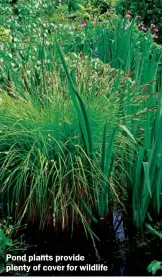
{"type": "Point", "coordinates": [106, 155]}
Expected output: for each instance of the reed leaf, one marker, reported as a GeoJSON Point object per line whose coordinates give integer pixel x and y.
{"type": "Point", "coordinates": [80, 108]}
{"type": "Point", "coordinates": [87, 210]}
{"type": "Point", "coordinates": [147, 177]}
{"type": "Point", "coordinates": [105, 167]}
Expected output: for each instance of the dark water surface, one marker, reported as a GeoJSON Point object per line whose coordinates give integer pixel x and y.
{"type": "Point", "coordinates": [122, 256]}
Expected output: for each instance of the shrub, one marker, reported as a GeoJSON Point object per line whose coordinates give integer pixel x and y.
{"type": "Point", "coordinates": [149, 10]}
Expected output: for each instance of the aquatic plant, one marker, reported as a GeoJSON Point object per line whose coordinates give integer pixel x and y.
{"type": "Point", "coordinates": [55, 156]}
{"type": "Point", "coordinates": [80, 131]}
{"type": "Point", "coordinates": [9, 243]}
{"type": "Point", "coordinates": [154, 266]}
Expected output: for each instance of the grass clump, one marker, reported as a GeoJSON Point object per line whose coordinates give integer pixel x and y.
{"type": "Point", "coordinates": [46, 166]}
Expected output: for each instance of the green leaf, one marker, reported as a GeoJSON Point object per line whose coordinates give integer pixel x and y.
{"type": "Point", "coordinates": [123, 127]}
{"type": "Point", "coordinates": [79, 106]}
{"type": "Point", "coordinates": [154, 266]}
{"type": "Point", "coordinates": [147, 177]}
{"type": "Point", "coordinates": [1, 234]}
{"type": "Point", "coordinates": [105, 167]}
{"type": "Point", "coordinates": [88, 211]}
{"type": "Point", "coordinates": [8, 241]}
{"type": "Point", "coordinates": [151, 229]}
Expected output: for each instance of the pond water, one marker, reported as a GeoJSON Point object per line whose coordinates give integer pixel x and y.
{"type": "Point", "coordinates": [121, 256]}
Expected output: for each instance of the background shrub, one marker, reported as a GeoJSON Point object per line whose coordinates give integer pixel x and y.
{"type": "Point", "coordinates": [150, 12]}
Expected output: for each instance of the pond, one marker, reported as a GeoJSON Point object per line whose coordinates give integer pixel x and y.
{"type": "Point", "coordinates": [75, 255]}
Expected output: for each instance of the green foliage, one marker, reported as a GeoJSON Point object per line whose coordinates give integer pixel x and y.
{"type": "Point", "coordinates": [81, 110]}
{"type": "Point", "coordinates": [72, 5]}
{"type": "Point", "coordinates": [4, 34]}
{"type": "Point", "coordinates": [40, 142]}
{"type": "Point", "coordinates": [5, 243]}
{"type": "Point", "coordinates": [154, 266]}
{"type": "Point", "coordinates": [102, 5]}
{"type": "Point", "coordinates": [153, 231]}
{"type": "Point", "coordinates": [149, 10]}
{"type": "Point", "coordinates": [59, 15]}
{"type": "Point", "coordinates": [58, 158]}
{"type": "Point", "coordinates": [8, 245]}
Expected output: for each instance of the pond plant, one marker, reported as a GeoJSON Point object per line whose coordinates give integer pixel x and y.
{"type": "Point", "coordinates": [10, 243]}
{"type": "Point", "coordinates": [80, 116]}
